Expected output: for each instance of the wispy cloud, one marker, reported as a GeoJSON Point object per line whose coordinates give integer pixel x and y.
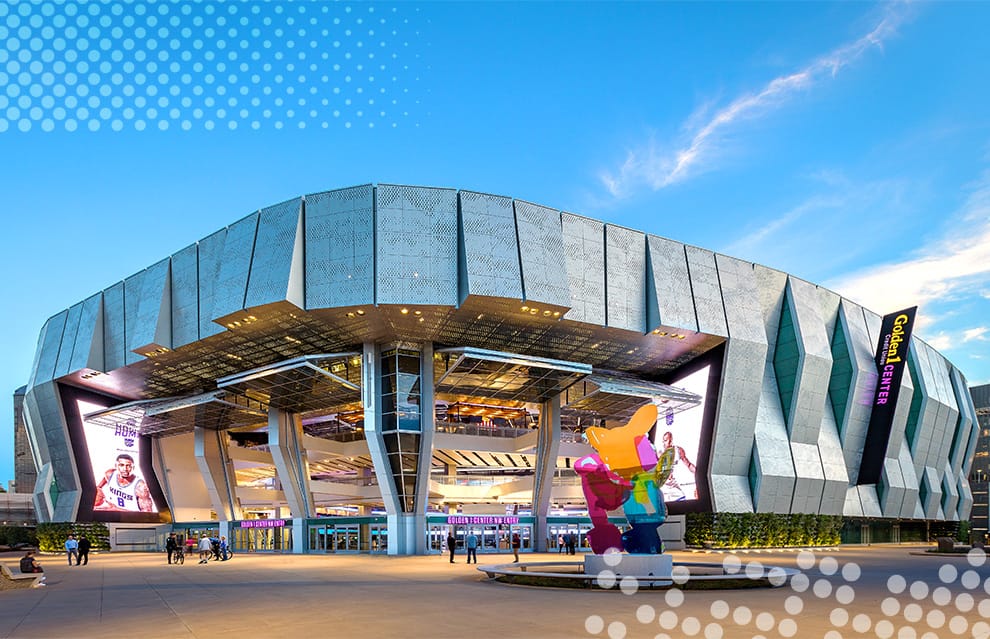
{"type": "Point", "coordinates": [952, 267]}
{"type": "Point", "coordinates": [658, 166]}
{"type": "Point", "coordinates": [979, 333]}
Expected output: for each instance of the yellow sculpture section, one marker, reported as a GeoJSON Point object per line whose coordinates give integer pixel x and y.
{"type": "Point", "coordinates": [618, 447]}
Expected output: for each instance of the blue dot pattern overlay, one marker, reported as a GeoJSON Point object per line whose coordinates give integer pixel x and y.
{"type": "Point", "coordinates": [158, 65]}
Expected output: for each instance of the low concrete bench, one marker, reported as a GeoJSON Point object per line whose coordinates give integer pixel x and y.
{"type": "Point", "coordinates": [11, 578]}
{"type": "Point", "coordinates": [950, 545]}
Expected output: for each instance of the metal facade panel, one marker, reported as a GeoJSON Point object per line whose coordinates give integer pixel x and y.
{"type": "Point", "coordinates": [49, 342]}
{"type": "Point", "coordinates": [772, 458]}
{"type": "Point", "coordinates": [707, 291]}
{"type": "Point", "coordinates": [852, 507]}
{"type": "Point", "coordinates": [278, 255]}
{"type": "Point", "coordinates": [87, 350]}
{"type": "Point", "coordinates": [809, 483]}
{"type": "Point", "coordinates": [147, 310]}
{"type": "Point", "coordinates": [921, 376]}
{"type": "Point", "coordinates": [931, 492]}
{"type": "Point", "coordinates": [893, 487]}
{"type": "Point", "coordinates": [185, 296]}
{"type": "Point", "coordinates": [967, 426]}
{"type": "Point", "coordinates": [740, 394]}
{"type": "Point", "coordinates": [771, 285]}
{"type": "Point", "coordinates": [910, 502]}
{"type": "Point", "coordinates": [491, 253]}
{"type": "Point", "coordinates": [44, 404]}
{"type": "Point", "coordinates": [950, 488]}
{"type": "Point", "coordinates": [210, 257]}
{"type": "Point", "coordinates": [235, 266]}
{"type": "Point", "coordinates": [114, 345]}
{"type": "Point", "coordinates": [854, 423]}
{"type": "Point", "coordinates": [731, 494]}
{"type": "Point", "coordinates": [340, 247]}
{"type": "Point", "coordinates": [541, 252]}
{"type": "Point", "coordinates": [625, 278]}
{"type": "Point", "coordinates": [871, 502]}
{"type": "Point", "coordinates": [814, 365]}
{"type": "Point", "coordinates": [833, 466]}
{"type": "Point", "coordinates": [672, 282]}
{"type": "Point", "coordinates": [584, 253]}
{"type": "Point", "coordinates": [416, 245]}
{"type": "Point", "coordinates": [965, 507]}
{"type": "Point", "coordinates": [68, 341]}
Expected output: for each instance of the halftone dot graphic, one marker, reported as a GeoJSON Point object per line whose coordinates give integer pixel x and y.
{"type": "Point", "coordinates": [742, 615]}
{"type": "Point", "coordinates": [777, 576]}
{"type": "Point", "coordinates": [822, 588]}
{"type": "Point", "coordinates": [981, 629]}
{"type": "Point", "coordinates": [720, 609]}
{"type": "Point", "coordinates": [912, 613]}
{"type": "Point", "coordinates": [805, 560]}
{"type": "Point", "coordinates": [976, 557]}
{"type": "Point", "coordinates": [629, 585]}
{"type": "Point", "coordinates": [764, 621]}
{"type": "Point", "coordinates": [907, 632]}
{"type": "Point", "coordinates": [942, 596]}
{"type": "Point", "coordinates": [594, 624]}
{"type": "Point", "coordinates": [793, 605]}
{"type": "Point", "coordinates": [970, 580]}
{"type": "Point", "coordinates": [731, 564]}
{"type": "Point", "coordinates": [668, 619]}
{"type": "Point", "coordinates": [838, 617]}
{"type": "Point", "coordinates": [787, 627]}
{"type": "Point", "coordinates": [884, 629]}
{"type": "Point", "coordinates": [890, 606]}
{"type": "Point", "coordinates": [799, 582]}
{"type": "Point", "coordinates": [754, 570]}
{"type": "Point", "coordinates": [947, 573]}
{"type": "Point", "coordinates": [674, 597]}
{"type": "Point", "coordinates": [984, 608]}
{"type": "Point", "coordinates": [935, 618]}
{"type": "Point", "coordinates": [964, 602]}
{"type": "Point", "coordinates": [191, 51]}
{"type": "Point", "coordinates": [896, 584]}
{"type": "Point", "coordinates": [828, 566]}
{"type": "Point", "coordinates": [958, 624]}
{"type": "Point", "coordinates": [690, 626]}
{"type": "Point", "coordinates": [861, 623]}
{"type": "Point", "coordinates": [612, 557]}
{"type": "Point", "coordinates": [680, 575]}
{"type": "Point", "coordinates": [646, 614]}
{"type": "Point", "coordinates": [714, 631]}
{"type": "Point", "coordinates": [832, 634]}
{"type": "Point", "coordinates": [606, 579]}
{"type": "Point", "coordinates": [919, 590]}
{"type": "Point", "coordinates": [616, 630]}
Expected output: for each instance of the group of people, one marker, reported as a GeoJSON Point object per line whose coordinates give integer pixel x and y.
{"type": "Point", "coordinates": [471, 545]}
{"type": "Point", "coordinates": [78, 549]}
{"type": "Point", "coordinates": [567, 542]}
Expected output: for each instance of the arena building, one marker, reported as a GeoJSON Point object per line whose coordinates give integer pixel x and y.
{"type": "Point", "coordinates": [366, 369]}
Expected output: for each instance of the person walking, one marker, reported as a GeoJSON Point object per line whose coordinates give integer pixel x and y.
{"type": "Point", "coordinates": [72, 549]}
{"type": "Point", "coordinates": [560, 544]}
{"type": "Point", "coordinates": [516, 543]}
{"type": "Point", "coordinates": [171, 545]}
{"type": "Point", "coordinates": [205, 549]}
{"type": "Point", "coordinates": [471, 543]}
{"type": "Point", "coordinates": [84, 547]}
{"type": "Point", "coordinates": [451, 544]}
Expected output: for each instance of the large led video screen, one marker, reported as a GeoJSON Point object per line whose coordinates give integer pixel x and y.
{"type": "Point", "coordinates": [114, 463]}
{"type": "Point", "coordinates": [677, 439]}
{"type": "Point", "coordinates": [115, 454]}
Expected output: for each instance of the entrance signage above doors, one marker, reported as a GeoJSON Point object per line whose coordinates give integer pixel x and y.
{"type": "Point", "coordinates": [463, 520]}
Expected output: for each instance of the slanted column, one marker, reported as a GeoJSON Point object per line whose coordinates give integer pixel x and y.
{"type": "Point", "coordinates": [547, 446]}
{"type": "Point", "coordinates": [217, 469]}
{"type": "Point", "coordinates": [285, 443]}
{"type": "Point", "coordinates": [397, 394]}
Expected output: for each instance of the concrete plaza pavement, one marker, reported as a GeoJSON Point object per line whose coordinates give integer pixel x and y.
{"type": "Point", "coordinates": [139, 595]}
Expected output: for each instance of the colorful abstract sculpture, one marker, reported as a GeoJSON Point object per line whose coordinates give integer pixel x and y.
{"type": "Point", "coordinates": [625, 471]}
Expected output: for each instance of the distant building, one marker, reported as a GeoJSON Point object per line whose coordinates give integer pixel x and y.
{"type": "Point", "coordinates": [979, 477]}
{"type": "Point", "coordinates": [25, 474]}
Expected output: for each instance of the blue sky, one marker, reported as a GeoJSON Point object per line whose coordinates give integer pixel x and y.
{"type": "Point", "coordinates": [846, 143]}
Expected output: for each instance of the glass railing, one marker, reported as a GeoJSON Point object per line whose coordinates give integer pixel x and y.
{"type": "Point", "coordinates": [350, 481]}
{"type": "Point", "coordinates": [482, 430]}
{"type": "Point", "coordinates": [460, 480]}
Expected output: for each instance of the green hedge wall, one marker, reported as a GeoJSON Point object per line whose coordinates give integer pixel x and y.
{"type": "Point", "coordinates": [51, 537]}
{"type": "Point", "coordinates": [10, 535]}
{"type": "Point", "coordinates": [761, 530]}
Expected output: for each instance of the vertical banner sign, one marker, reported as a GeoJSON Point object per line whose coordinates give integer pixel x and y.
{"type": "Point", "coordinates": [892, 354]}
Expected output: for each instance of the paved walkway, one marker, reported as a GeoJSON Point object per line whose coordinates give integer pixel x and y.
{"type": "Point", "coordinates": [288, 596]}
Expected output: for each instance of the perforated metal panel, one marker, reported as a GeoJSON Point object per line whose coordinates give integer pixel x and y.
{"type": "Point", "coordinates": [541, 249]}
{"type": "Point", "coordinates": [147, 311]}
{"type": "Point", "coordinates": [833, 465]}
{"type": "Point", "coordinates": [707, 291]}
{"type": "Point", "coordinates": [235, 265]}
{"type": "Point", "coordinates": [491, 254]}
{"type": "Point", "coordinates": [114, 346]}
{"type": "Point", "coordinates": [584, 253]}
{"type": "Point", "coordinates": [625, 274]}
{"type": "Point", "coordinates": [742, 374]}
{"type": "Point", "coordinates": [340, 248]}
{"type": "Point", "coordinates": [814, 365]}
{"type": "Point", "coordinates": [48, 345]}
{"type": "Point", "coordinates": [68, 340]}
{"type": "Point", "coordinates": [210, 251]}
{"type": "Point", "coordinates": [672, 282]}
{"type": "Point", "coordinates": [185, 297]}
{"type": "Point", "coordinates": [416, 245]}
{"type": "Point", "coordinates": [278, 248]}
{"type": "Point", "coordinates": [772, 471]}
{"type": "Point", "coordinates": [87, 350]}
